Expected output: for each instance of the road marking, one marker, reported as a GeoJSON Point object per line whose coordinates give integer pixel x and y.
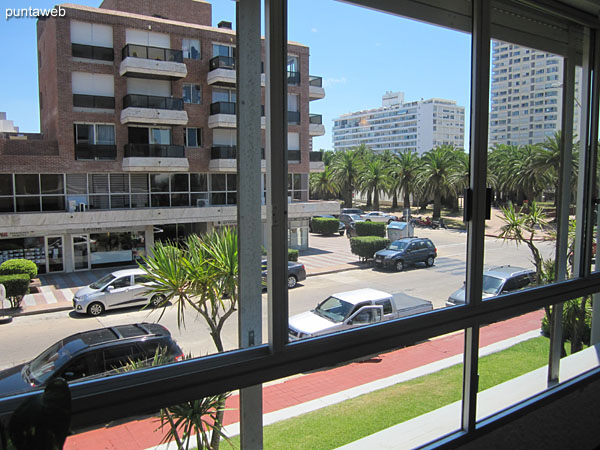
{"type": "Point", "coordinates": [48, 294]}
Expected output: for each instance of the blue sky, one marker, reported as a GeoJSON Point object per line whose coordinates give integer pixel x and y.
{"type": "Point", "coordinates": [360, 54]}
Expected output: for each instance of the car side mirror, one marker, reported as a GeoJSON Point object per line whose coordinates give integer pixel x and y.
{"type": "Point", "coordinates": [109, 288]}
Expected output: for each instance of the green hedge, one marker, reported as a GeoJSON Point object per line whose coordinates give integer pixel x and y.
{"type": "Point", "coordinates": [325, 225]}
{"type": "Point", "coordinates": [16, 266]}
{"type": "Point", "coordinates": [366, 246]}
{"type": "Point", "coordinates": [370, 229]}
{"type": "Point", "coordinates": [17, 286]}
{"type": "Point", "coordinates": [292, 254]}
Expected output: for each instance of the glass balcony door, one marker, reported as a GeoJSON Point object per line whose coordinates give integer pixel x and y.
{"type": "Point", "coordinates": [81, 252]}
{"type": "Point", "coordinates": [54, 254]}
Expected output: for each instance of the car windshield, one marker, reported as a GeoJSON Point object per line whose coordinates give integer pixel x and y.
{"type": "Point", "coordinates": [491, 285]}
{"type": "Point", "coordinates": [333, 309]}
{"type": "Point", "coordinates": [46, 364]}
{"type": "Point", "coordinates": [355, 217]}
{"type": "Point", "coordinates": [398, 245]}
{"type": "Point", "coordinates": [102, 281]}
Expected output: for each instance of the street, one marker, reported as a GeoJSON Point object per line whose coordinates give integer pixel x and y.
{"type": "Point", "coordinates": [27, 336]}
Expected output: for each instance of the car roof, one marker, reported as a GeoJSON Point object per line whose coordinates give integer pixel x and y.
{"type": "Point", "coordinates": [125, 272]}
{"type": "Point", "coordinates": [361, 295]}
{"type": "Point", "coordinates": [117, 333]}
{"type": "Point", "coordinates": [507, 271]}
{"type": "Point", "coordinates": [410, 239]}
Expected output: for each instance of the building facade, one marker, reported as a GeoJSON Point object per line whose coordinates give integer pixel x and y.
{"type": "Point", "coordinates": [526, 95]}
{"type": "Point", "coordinates": [138, 137]}
{"type": "Point", "coordinates": [398, 125]}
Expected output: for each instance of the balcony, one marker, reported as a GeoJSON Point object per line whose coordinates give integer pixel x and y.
{"type": "Point", "coordinates": [294, 156]}
{"type": "Point", "coordinates": [293, 78]}
{"type": "Point", "coordinates": [153, 110]}
{"type": "Point", "coordinates": [92, 52]}
{"type": "Point", "coordinates": [221, 71]}
{"type": "Point", "coordinates": [223, 158]}
{"type": "Point", "coordinates": [92, 152]}
{"type": "Point", "coordinates": [316, 127]}
{"type": "Point", "coordinates": [152, 158]}
{"type": "Point", "coordinates": [316, 162]}
{"type": "Point", "coordinates": [315, 88]}
{"type": "Point", "coordinates": [222, 115]}
{"type": "Point", "coordinates": [152, 62]}
{"type": "Point", "coordinates": [293, 117]}
{"type": "Point", "coordinates": [85, 101]}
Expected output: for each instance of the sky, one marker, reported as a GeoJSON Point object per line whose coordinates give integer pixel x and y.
{"type": "Point", "coordinates": [360, 54]}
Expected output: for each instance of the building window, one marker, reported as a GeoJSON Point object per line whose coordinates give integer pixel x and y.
{"type": "Point", "coordinates": [191, 48]}
{"type": "Point", "coordinates": [223, 50]}
{"type": "Point", "coordinates": [192, 93]}
{"type": "Point", "coordinates": [193, 137]}
{"type": "Point", "coordinates": [94, 134]}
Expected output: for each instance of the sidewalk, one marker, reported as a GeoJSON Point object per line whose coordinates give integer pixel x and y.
{"type": "Point", "coordinates": [308, 392]}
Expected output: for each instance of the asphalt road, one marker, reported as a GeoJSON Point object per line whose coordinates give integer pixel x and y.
{"type": "Point", "coordinates": [27, 336]}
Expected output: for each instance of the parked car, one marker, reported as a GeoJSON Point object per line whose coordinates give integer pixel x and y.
{"type": "Point", "coordinates": [496, 281]}
{"type": "Point", "coordinates": [350, 309]}
{"type": "Point", "coordinates": [379, 216]}
{"type": "Point", "coordinates": [406, 251]}
{"type": "Point", "coordinates": [358, 211]}
{"type": "Point", "coordinates": [341, 228]}
{"type": "Point", "coordinates": [92, 354]}
{"type": "Point", "coordinates": [296, 272]}
{"type": "Point", "coordinates": [119, 289]}
{"type": "Point", "coordinates": [347, 219]}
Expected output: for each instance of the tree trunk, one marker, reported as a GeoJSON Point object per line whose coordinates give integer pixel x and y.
{"type": "Point", "coordinates": [368, 198]}
{"type": "Point", "coordinates": [406, 199]}
{"type": "Point", "coordinates": [376, 200]}
{"type": "Point", "coordinates": [437, 205]}
{"type": "Point", "coordinates": [215, 439]}
{"type": "Point", "coordinates": [395, 200]}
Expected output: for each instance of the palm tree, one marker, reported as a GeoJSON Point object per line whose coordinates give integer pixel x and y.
{"type": "Point", "coordinates": [404, 170]}
{"type": "Point", "coordinates": [345, 169]}
{"type": "Point", "coordinates": [434, 177]}
{"type": "Point", "coordinates": [374, 178]}
{"type": "Point", "coordinates": [203, 276]}
{"type": "Point", "coordinates": [323, 185]}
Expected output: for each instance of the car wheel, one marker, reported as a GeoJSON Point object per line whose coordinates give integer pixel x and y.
{"type": "Point", "coordinates": [429, 261]}
{"type": "Point", "coordinates": [292, 281]}
{"type": "Point", "coordinates": [367, 220]}
{"type": "Point", "coordinates": [390, 221]}
{"type": "Point", "coordinates": [399, 265]}
{"type": "Point", "coordinates": [95, 309]}
{"type": "Point", "coordinates": [342, 232]}
{"type": "Point", "coordinates": [157, 300]}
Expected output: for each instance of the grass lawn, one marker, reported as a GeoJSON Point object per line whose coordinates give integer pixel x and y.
{"type": "Point", "coordinates": [345, 422]}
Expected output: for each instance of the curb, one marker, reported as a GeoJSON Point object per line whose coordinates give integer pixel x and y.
{"type": "Point", "coordinates": [326, 272]}
{"type": "Point", "coordinates": [40, 311]}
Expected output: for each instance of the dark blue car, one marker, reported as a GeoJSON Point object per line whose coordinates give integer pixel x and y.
{"type": "Point", "coordinates": [407, 251]}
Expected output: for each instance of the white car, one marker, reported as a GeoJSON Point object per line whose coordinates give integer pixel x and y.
{"type": "Point", "coordinates": [119, 289]}
{"type": "Point", "coordinates": [379, 216]}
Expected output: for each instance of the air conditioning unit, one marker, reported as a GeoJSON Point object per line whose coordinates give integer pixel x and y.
{"type": "Point", "coordinates": [81, 207]}
{"type": "Point", "coordinates": [201, 203]}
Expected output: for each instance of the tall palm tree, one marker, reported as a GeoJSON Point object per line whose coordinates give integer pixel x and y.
{"type": "Point", "coordinates": [374, 178]}
{"type": "Point", "coordinates": [434, 177]}
{"type": "Point", "coordinates": [345, 169]}
{"type": "Point", "coordinates": [323, 184]}
{"type": "Point", "coordinates": [404, 170]}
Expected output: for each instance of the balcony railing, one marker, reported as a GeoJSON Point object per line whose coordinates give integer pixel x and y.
{"type": "Point", "coordinates": [154, 53]}
{"type": "Point", "coordinates": [222, 62]}
{"type": "Point", "coordinates": [316, 119]}
{"type": "Point", "coordinates": [293, 155]}
{"type": "Point", "coordinates": [293, 77]}
{"type": "Point", "coordinates": [150, 101]}
{"type": "Point", "coordinates": [95, 152]}
{"type": "Point", "coordinates": [92, 52]}
{"type": "Point", "coordinates": [315, 81]}
{"type": "Point", "coordinates": [154, 151]}
{"type": "Point", "coordinates": [222, 108]}
{"type": "Point", "coordinates": [223, 152]}
{"type": "Point", "coordinates": [293, 117]}
{"type": "Point", "coordinates": [93, 101]}
{"type": "Point", "coordinates": [315, 156]}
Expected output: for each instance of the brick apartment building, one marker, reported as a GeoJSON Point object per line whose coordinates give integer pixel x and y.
{"type": "Point", "coordinates": [138, 137]}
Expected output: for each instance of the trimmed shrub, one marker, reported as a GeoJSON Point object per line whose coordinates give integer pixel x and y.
{"type": "Point", "coordinates": [292, 254]}
{"type": "Point", "coordinates": [325, 225]}
{"type": "Point", "coordinates": [15, 266]}
{"type": "Point", "coordinates": [17, 286]}
{"type": "Point", "coordinates": [366, 246]}
{"type": "Point", "coordinates": [370, 229]}
{"type": "Point", "coordinates": [568, 325]}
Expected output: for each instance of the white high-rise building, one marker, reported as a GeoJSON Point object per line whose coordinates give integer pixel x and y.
{"type": "Point", "coordinates": [418, 126]}
{"type": "Point", "coordinates": [526, 95]}
{"type": "Point", "coordinates": [7, 126]}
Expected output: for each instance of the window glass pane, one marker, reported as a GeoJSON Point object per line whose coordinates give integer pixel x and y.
{"type": "Point", "coordinates": [179, 182]}
{"type": "Point", "coordinates": [119, 201]}
{"type": "Point", "coordinates": [218, 199]}
{"type": "Point", "coordinates": [76, 183]}
{"type": "Point", "coordinates": [105, 134]}
{"type": "Point", "coordinates": [220, 95]}
{"type": "Point", "coordinates": [28, 204]}
{"type": "Point", "coordinates": [139, 182]}
{"type": "Point", "coordinates": [98, 201]}
{"type": "Point", "coordinates": [217, 182]}
{"type": "Point", "coordinates": [191, 137]}
{"type": "Point", "coordinates": [198, 182]}
{"type": "Point", "coordinates": [98, 183]}
{"type": "Point", "coordinates": [27, 184]}
{"type": "Point", "coordinates": [180, 200]}
{"type": "Point", "coordinates": [221, 50]}
{"type": "Point", "coordinates": [160, 200]}
{"type": "Point", "coordinates": [6, 184]}
{"type": "Point", "coordinates": [191, 48]}
{"type": "Point", "coordinates": [231, 182]}
{"type": "Point", "coordinates": [119, 182]}
{"type": "Point", "coordinates": [140, 201]}
{"type": "Point", "coordinates": [159, 182]}
{"type": "Point", "coordinates": [6, 204]}
{"type": "Point", "coordinates": [53, 203]}
{"type": "Point", "coordinates": [52, 184]}
{"type": "Point", "coordinates": [84, 133]}
{"type": "Point", "coordinates": [160, 136]}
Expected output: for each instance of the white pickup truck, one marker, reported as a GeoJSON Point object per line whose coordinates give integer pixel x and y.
{"type": "Point", "coordinates": [352, 309]}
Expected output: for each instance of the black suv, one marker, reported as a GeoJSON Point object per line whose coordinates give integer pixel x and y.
{"type": "Point", "coordinates": [92, 354]}
{"type": "Point", "coordinates": [406, 251]}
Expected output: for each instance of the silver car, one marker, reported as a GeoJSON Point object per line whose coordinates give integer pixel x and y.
{"type": "Point", "coordinates": [119, 289]}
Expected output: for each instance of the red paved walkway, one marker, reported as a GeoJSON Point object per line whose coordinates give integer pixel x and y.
{"type": "Point", "coordinates": [138, 435]}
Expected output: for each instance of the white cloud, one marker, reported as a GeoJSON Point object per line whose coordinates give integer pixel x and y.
{"type": "Point", "coordinates": [378, 44]}
{"type": "Point", "coordinates": [314, 30]}
{"type": "Point", "coordinates": [331, 81]}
